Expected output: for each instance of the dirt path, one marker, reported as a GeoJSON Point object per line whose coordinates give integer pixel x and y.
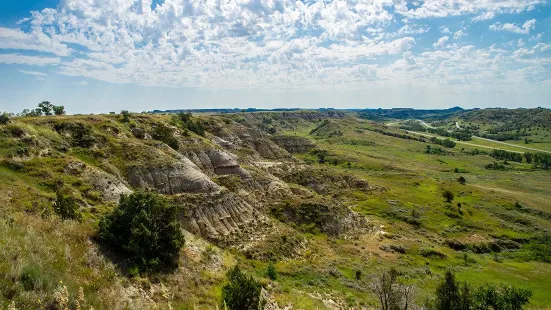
{"type": "Point", "coordinates": [510, 144]}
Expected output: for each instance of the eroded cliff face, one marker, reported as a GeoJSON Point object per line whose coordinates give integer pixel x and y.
{"type": "Point", "coordinates": [219, 162]}
{"type": "Point", "coordinates": [215, 215]}
{"type": "Point", "coordinates": [170, 179]}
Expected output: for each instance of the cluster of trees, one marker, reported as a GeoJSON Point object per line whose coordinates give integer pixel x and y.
{"type": "Point", "coordinates": [495, 166]}
{"type": "Point", "coordinates": [540, 160]}
{"type": "Point", "coordinates": [463, 135]}
{"type": "Point", "coordinates": [165, 134]}
{"type": "Point", "coordinates": [506, 155]}
{"type": "Point", "coordinates": [436, 151]}
{"type": "Point", "coordinates": [44, 108]}
{"type": "Point", "coordinates": [444, 142]}
{"type": "Point", "coordinates": [394, 294]}
{"type": "Point", "coordinates": [399, 135]}
{"type": "Point", "coordinates": [144, 231]}
{"type": "Point", "coordinates": [188, 123]}
{"type": "Point", "coordinates": [453, 295]}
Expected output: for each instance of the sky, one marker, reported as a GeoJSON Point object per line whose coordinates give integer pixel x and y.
{"type": "Point", "coordinates": [97, 56]}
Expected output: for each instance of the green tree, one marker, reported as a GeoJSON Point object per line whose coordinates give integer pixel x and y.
{"type": "Point", "coordinates": [271, 271]}
{"type": "Point", "coordinates": [502, 298]}
{"type": "Point", "coordinates": [58, 109]}
{"type": "Point", "coordinates": [66, 207]}
{"type": "Point", "coordinates": [46, 107]}
{"type": "Point", "coordinates": [528, 157]}
{"type": "Point", "coordinates": [125, 116]}
{"type": "Point", "coordinates": [448, 195]}
{"type": "Point", "coordinates": [165, 134]}
{"type": "Point", "coordinates": [4, 118]}
{"type": "Point", "coordinates": [447, 293]}
{"type": "Point", "coordinates": [143, 228]}
{"type": "Point", "coordinates": [242, 292]}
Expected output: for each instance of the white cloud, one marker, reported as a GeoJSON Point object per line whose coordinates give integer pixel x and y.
{"type": "Point", "coordinates": [28, 60]}
{"type": "Point", "coordinates": [35, 40]}
{"type": "Point", "coordinates": [525, 29]}
{"type": "Point", "coordinates": [484, 16]}
{"type": "Point", "coordinates": [262, 44]}
{"type": "Point", "coordinates": [440, 43]}
{"type": "Point", "coordinates": [35, 73]}
{"type": "Point", "coordinates": [81, 83]}
{"type": "Point", "coordinates": [458, 34]}
{"type": "Point", "coordinates": [440, 8]}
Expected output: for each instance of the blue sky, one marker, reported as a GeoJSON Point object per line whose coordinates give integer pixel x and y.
{"type": "Point", "coordinates": [106, 55]}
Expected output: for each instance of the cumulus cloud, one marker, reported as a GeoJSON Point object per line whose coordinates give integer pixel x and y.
{"type": "Point", "coordinates": [35, 40]}
{"type": "Point", "coordinates": [28, 60]}
{"type": "Point", "coordinates": [524, 29]}
{"type": "Point", "coordinates": [440, 43]}
{"type": "Point", "coordinates": [439, 8]}
{"type": "Point", "coordinates": [458, 34]}
{"type": "Point", "coordinates": [260, 44]}
{"type": "Point", "coordinates": [484, 16]}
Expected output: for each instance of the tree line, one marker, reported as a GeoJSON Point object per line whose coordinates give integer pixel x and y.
{"type": "Point", "coordinates": [393, 293]}
{"type": "Point", "coordinates": [538, 160]}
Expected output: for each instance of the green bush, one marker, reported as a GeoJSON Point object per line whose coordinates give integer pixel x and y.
{"type": "Point", "coordinates": [271, 271]}
{"type": "Point", "coordinates": [165, 134]}
{"type": "Point", "coordinates": [66, 207]}
{"type": "Point", "coordinates": [4, 118]}
{"type": "Point", "coordinates": [144, 230]}
{"type": "Point", "coordinates": [242, 292]}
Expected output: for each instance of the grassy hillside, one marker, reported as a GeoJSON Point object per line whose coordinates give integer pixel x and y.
{"type": "Point", "coordinates": [326, 196]}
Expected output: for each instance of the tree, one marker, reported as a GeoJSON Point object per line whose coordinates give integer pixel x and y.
{"type": "Point", "coordinates": [66, 207]}
{"type": "Point", "coordinates": [461, 180]}
{"type": "Point", "coordinates": [448, 195]}
{"type": "Point", "coordinates": [143, 229]}
{"type": "Point", "coordinates": [271, 271]}
{"type": "Point", "coordinates": [528, 157]}
{"type": "Point", "coordinates": [125, 116]}
{"type": "Point", "coordinates": [447, 293]}
{"type": "Point", "coordinates": [384, 286]}
{"type": "Point", "coordinates": [503, 298]}
{"type": "Point", "coordinates": [46, 107]}
{"type": "Point", "coordinates": [4, 118]}
{"type": "Point", "coordinates": [242, 292]}
{"type": "Point", "coordinates": [58, 109]}
{"type": "Point", "coordinates": [165, 134]}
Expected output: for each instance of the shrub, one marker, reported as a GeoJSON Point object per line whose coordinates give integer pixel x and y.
{"type": "Point", "coordinates": [125, 116]}
{"type": "Point", "coordinates": [66, 207]}
{"type": "Point", "coordinates": [448, 195]}
{"type": "Point", "coordinates": [461, 180]}
{"type": "Point", "coordinates": [4, 118]}
{"type": "Point", "coordinates": [165, 134]}
{"type": "Point", "coordinates": [242, 292]}
{"type": "Point", "coordinates": [271, 271]}
{"type": "Point", "coordinates": [144, 230]}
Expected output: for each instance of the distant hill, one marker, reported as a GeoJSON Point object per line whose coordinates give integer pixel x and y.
{"type": "Point", "coordinates": [407, 113]}
{"type": "Point", "coordinates": [500, 116]}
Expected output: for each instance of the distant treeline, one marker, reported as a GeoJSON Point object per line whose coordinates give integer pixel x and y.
{"type": "Point", "coordinates": [538, 160]}
{"type": "Point", "coordinates": [444, 142]}
{"type": "Point", "coordinates": [381, 114]}
{"type": "Point", "coordinates": [399, 135]}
